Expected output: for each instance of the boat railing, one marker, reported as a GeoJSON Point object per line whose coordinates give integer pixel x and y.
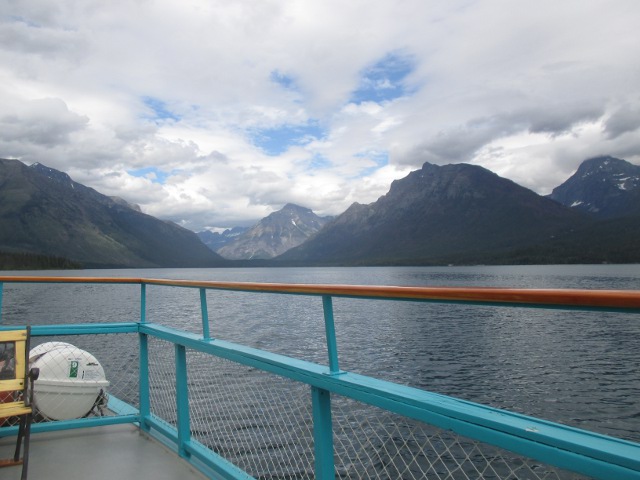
{"type": "Point", "coordinates": [236, 411]}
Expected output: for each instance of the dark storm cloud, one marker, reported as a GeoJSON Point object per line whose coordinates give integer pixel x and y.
{"type": "Point", "coordinates": [624, 120]}
{"type": "Point", "coordinates": [459, 144]}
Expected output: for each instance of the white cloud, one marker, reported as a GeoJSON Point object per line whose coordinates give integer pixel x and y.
{"type": "Point", "coordinates": [102, 90]}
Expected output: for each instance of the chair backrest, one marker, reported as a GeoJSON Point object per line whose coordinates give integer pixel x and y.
{"type": "Point", "coordinates": [13, 359]}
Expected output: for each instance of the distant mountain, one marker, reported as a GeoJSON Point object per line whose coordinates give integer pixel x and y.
{"type": "Point", "coordinates": [215, 240]}
{"type": "Point", "coordinates": [452, 214]}
{"type": "Point", "coordinates": [43, 211]}
{"type": "Point", "coordinates": [605, 187]}
{"type": "Point", "coordinates": [275, 234]}
{"type": "Point", "coordinates": [440, 214]}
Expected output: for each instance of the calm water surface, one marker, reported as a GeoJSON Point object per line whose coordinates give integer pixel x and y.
{"type": "Point", "coordinates": [577, 368]}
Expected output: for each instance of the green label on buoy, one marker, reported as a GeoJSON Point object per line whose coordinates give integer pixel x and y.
{"type": "Point", "coordinates": [73, 369]}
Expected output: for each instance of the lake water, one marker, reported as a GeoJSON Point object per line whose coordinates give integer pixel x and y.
{"type": "Point", "coordinates": [577, 368]}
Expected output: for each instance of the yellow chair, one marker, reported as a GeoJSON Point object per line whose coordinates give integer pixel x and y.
{"type": "Point", "coordinates": [16, 390]}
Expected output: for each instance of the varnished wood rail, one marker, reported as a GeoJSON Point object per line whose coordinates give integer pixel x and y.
{"type": "Point", "coordinates": [544, 298]}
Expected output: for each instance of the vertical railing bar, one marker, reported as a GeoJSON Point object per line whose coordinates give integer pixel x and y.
{"type": "Point", "coordinates": [322, 434]}
{"type": "Point", "coordinates": [143, 387]}
{"type": "Point", "coordinates": [182, 401]}
{"type": "Point", "coordinates": [143, 303]}
{"type": "Point", "coordinates": [1, 289]}
{"type": "Point", "coordinates": [330, 331]}
{"type": "Point", "coordinates": [145, 404]}
{"type": "Point", "coordinates": [205, 314]}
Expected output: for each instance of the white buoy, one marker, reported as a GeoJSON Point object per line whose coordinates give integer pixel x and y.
{"type": "Point", "coordinates": [71, 381]}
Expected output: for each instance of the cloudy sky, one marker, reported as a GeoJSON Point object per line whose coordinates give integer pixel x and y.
{"type": "Point", "coordinates": [214, 113]}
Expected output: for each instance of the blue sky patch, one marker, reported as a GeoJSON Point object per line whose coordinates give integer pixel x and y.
{"type": "Point", "coordinates": [319, 162]}
{"type": "Point", "coordinates": [160, 109]}
{"type": "Point", "coordinates": [152, 173]}
{"type": "Point", "coordinates": [285, 81]}
{"type": "Point", "coordinates": [274, 141]}
{"type": "Point", "coordinates": [385, 79]}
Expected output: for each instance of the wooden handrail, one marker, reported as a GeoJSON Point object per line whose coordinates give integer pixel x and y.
{"type": "Point", "coordinates": [569, 298]}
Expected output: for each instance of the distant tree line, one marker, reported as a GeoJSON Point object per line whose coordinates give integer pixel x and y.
{"type": "Point", "coordinates": [34, 261]}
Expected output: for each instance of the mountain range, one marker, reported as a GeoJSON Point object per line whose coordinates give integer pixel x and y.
{"type": "Point", "coordinates": [217, 240]}
{"type": "Point", "coordinates": [451, 214]}
{"type": "Point", "coordinates": [275, 234]}
{"type": "Point", "coordinates": [439, 213]}
{"type": "Point", "coordinates": [462, 213]}
{"type": "Point", "coordinates": [43, 211]}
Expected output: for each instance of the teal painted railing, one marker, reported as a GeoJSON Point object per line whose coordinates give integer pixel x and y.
{"type": "Point", "coordinates": [595, 455]}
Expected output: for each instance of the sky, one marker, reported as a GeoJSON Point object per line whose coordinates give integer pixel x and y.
{"type": "Point", "coordinates": [214, 114]}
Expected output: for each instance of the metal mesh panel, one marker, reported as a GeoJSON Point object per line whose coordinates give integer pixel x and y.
{"type": "Point", "coordinates": [372, 443]}
{"type": "Point", "coordinates": [162, 380]}
{"type": "Point", "coordinates": [71, 384]}
{"type": "Point", "coordinates": [260, 422]}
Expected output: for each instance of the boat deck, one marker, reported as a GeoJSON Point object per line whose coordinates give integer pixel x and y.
{"type": "Point", "coordinates": [264, 407]}
{"type": "Point", "coordinates": [108, 452]}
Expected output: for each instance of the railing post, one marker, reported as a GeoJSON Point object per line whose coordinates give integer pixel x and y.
{"type": "Point", "coordinates": [145, 406]}
{"type": "Point", "coordinates": [330, 332]}
{"type": "Point", "coordinates": [143, 303]}
{"type": "Point", "coordinates": [1, 288]}
{"type": "Point", "coordinates": [322, 434]}
{"type": "Point", "coordinates": [182, 401]}
{"type": "Point", "coordinates": [205, 314]}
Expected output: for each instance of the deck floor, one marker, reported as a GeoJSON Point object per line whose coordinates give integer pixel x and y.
{"type": "Point", "coordinates": [117, 451]}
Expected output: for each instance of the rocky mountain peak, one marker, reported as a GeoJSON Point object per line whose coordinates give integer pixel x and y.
{"type": "Point", "coordinates": [604, 186]}
{"type": "Point", "coordinates": [52, 173]}
{"type": "Point", "coordinates": [275, 234]}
